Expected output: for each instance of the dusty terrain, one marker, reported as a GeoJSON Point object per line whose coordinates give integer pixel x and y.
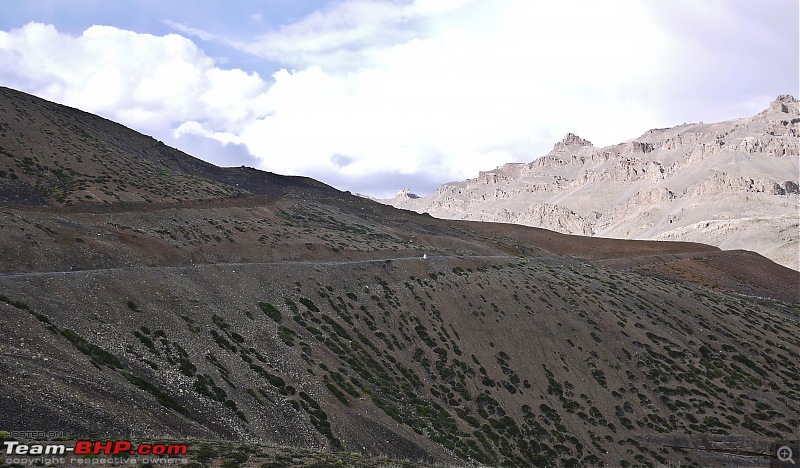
{"type": "Point", "coordinates": [281, 311]}
{"type": "Point", "coordinates": [731, 184]}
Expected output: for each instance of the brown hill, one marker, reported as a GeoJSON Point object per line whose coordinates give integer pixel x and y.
{"type": "Point", "coordinates": [182, 299]}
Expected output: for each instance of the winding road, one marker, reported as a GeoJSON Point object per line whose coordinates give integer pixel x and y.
{"type": "Point", "coordinates": [429, 258]}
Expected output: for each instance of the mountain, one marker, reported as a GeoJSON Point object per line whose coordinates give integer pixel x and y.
{"type": "Point", "coordinates": [732, 184]}
{"type": "Point", "coordinates": [147, 294]}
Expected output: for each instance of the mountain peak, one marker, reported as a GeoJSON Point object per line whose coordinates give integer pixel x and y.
{"type": "Point", "coordinates": [783, 103]}
{"type": "Point", "coordinates": [406, 193]}
{"type": "Point", "coordinates": [571, 139]}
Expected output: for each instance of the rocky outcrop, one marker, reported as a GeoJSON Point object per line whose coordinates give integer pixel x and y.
{"type": "Point", "coordinates": [784, 103]}
{"type": "Point", "coordinates": [641, 147]}
{"type": "Point", "coordinates": [653, 187]}
{"type": "Point", "coordinates": [652, 196]}
{"type": "Point", "coordinates": [718, 182]}
{"type": "Point", "coordinates": [571, 139]}
{"type": "Point", "coordinates": [548, 216]}
{"type": "Point", "coordinates": [406, 194]}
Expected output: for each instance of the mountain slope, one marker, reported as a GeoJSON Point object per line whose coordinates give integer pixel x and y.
{"type": "Point", "coordinates": [731, 184]}
{"type": "Point", "coordinates": [52, 155]}
{"type": "Point", "coordinates": [248, 306]}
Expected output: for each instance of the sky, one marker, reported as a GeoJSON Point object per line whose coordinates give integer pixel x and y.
{"type": "Point", "coordinates": [373, 96]}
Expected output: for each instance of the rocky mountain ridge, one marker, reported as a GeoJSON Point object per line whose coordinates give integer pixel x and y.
{"type": "Point", "coordinates": [731, 184]}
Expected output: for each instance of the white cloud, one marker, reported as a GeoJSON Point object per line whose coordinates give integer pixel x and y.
{"type": "Point", "coordinates": [427, 90]}
{"type": "Point", "coordinates": [472, 91]}
{"type": "Point", "coordinates": [343, 34]}
{"type": "Point", "coordinates": [144, 81]}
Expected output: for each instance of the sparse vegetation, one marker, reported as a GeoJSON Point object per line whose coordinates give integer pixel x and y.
{"type": "Point", "coordinates": [270, 311]}
{"type": "Point", "coordinates": [283, 310]}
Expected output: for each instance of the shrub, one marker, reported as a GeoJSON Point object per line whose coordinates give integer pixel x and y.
{"type": "Point", "coordinates": [165, 399]}
{"type": "Point", "coordinates": [270, 310]}
{"type": "Point", "coordinates": [287, 335]}
{"type": "Point", "coordinates": [96, 353]}
{"type": "Point", "coordinates": [310, 305]}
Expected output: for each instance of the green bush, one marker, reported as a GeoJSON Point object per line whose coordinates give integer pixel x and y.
{"type": "Point", "coordinates": [96, 353]}
{"type": "Point", "coordinates": [287, 335]}
{"type": "Point", "coordinates": [270, 310]}
{"type": "Point", "coordinates": [165, 399]}
{"type": "Point", "coordinates": [310, 305]}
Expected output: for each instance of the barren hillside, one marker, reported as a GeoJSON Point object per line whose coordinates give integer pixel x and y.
{"type": "Point", "coordinates": [731, 184]}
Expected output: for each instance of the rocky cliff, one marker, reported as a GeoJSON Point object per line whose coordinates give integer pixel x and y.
{"type": "Point", "coordinates": [732, 184]}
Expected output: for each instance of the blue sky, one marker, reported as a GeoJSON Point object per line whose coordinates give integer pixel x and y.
{"type": "Point", "coordinates": [376, 95]}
